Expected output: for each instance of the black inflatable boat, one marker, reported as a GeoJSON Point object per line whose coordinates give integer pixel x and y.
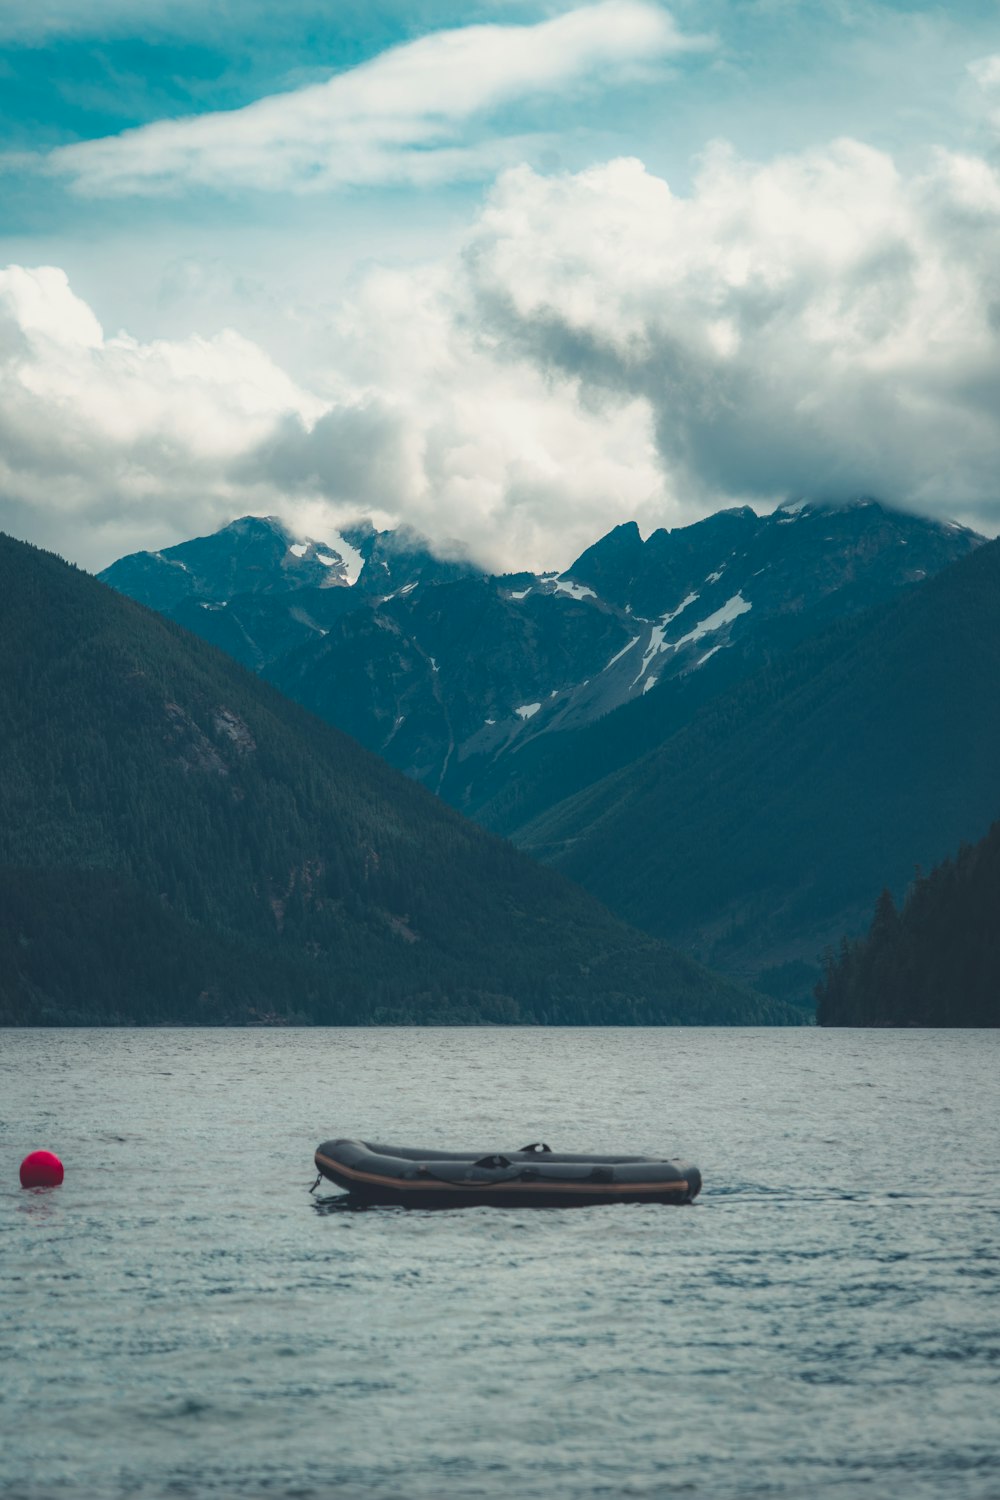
{"type": "Point", "coordinates": [533, 1177]}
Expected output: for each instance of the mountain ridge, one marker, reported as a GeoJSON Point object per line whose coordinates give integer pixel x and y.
{"type": "Point", "coordinates": [179, 842]}
{"type": "Point", "coordinates": [765, 827]}
{"type": "Point", "coordinates": [496, 690]}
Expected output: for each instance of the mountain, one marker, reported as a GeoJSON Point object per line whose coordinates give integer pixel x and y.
{"type": "Point", "coordinates": [256, 591]}
{"type": "Point", "coordinates": [180, 843]}
{"type": "Point", "coordinates": [250, 556]}
{"type": "Point", "coordinates": [936, 962]}
{"type": "Point", "coordinates": [775, 581]}
{"type": "Point", "coordinates": [507, 694]}
{"type": "Point", "coordinates": [765, 827]}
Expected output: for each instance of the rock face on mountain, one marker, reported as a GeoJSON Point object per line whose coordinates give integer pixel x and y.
{"type": "Point", "coordinates": [765, 827]}
{"type": "Point", "coordinates": [180, 843]}
{"type": "Point", "coordinates": [508, 694]}
{"type": "Point", "coordinates": [257, 592]}
{"type": "Point", "coordinates": [249, 556]}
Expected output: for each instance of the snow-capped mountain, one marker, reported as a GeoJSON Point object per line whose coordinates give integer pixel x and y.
{"type": "Point", "coordinates": [253, 555]}
{"type": "Point", "coordinates": [762, 830]}
{"type": "Point", "coordinates": [474, 683]}
{"type": "Point", "coordinates": [179, 844]}
{"type": "Point", "coordinates": [257, 590]}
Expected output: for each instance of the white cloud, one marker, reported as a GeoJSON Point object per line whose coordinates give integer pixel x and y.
{"type": "Point", "coordinates": [104, 441]}
{"type": "Point", "coordinates": [433, 424]}
{"type": "Point", "coordinates": [818, 323]}
{"type": "Point", "coordinates": [397, 118]}
{"type": "Point", "coordinates": [986, 72]}
{"type": "Point", "coordinates": [603, 349]}
{"type": "Point", "coordinates": [108, 444]}
{"type": "Point", "coordinates": [600, 349]}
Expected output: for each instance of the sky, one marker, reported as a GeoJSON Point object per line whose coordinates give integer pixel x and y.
{"type": "Point", "coordinates": [510, 272]}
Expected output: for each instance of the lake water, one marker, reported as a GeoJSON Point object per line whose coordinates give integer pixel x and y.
{"type": "Point", "coordinates": [181, 1319]}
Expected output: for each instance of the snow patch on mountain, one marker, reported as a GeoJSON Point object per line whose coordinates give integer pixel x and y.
{"type": "Point", "coordinates": [730, 611]}
{"type": "Point", "coordinates": [350, 558]}
{"type": "Point", "coordinates": [657, 637]}
{"type": "Point", "coordinates": [336, 554]}
{"type": "Point", "coordinates": [703, 659]}
{"type": "Point", "coordinates": [574, 590]}
{"type": "Point", "coordinates": [669, 618]}
{"type": "Point", "coordinates": [527, 711]}
{"type": "Point", "coordinates": [656, 645]}
{"type": "Point", "coordinates": [619, 654]}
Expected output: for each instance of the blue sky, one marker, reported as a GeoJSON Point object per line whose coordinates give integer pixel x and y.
{"type": "Point", "coordinates": [384, 253]}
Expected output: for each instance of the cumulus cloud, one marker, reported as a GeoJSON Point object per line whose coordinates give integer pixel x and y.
{"type": "Point", "coordinates": [599, 349]}
{"type": "Point", "coordinates": [108, 444]}
{"type": "Point", "coordinates": [821, 323]}
{"type": "Point", "coordinates": [397, 118]}
{"type": "Point", "coordinates": [105, 441]}
{"type": "Point", "coordinates": [434, 423]}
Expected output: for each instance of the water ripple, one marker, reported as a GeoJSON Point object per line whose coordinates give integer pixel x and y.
{"type": "Point", "coordinates": [824, 1322]}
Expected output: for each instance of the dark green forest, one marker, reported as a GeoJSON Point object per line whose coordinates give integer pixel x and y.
{"type": "Point", "coordinates": [179, 843]}
{"type": "Point", "coordinates": [933, 962]}
{"type": "Point", "coordinates": [766, 826]}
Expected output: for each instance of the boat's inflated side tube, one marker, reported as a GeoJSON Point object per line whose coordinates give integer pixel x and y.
{"type": "Point", "coordinates": [532, 1177]}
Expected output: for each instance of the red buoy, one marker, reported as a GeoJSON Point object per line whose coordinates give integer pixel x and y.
{"type": "Point", "coordinates": [41, 1169]}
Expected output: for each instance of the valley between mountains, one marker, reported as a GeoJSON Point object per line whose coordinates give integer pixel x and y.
{"type": "Point", "coordinates": [735, 733]}
{"type": "Point", "coordinates": [179, 843]}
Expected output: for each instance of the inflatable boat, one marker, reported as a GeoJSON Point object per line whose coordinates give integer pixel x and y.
{"type": "Point", "coordinates": [534, 1176]}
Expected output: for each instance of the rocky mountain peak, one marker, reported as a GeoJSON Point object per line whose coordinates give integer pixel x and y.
{"type": "Point", "coordinates": [455, 676]}
{"type": "Point", "coordinates": [609, 566]}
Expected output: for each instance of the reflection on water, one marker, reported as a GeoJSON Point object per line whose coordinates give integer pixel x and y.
{"type": "Point", "coordinates": [182, 1318]}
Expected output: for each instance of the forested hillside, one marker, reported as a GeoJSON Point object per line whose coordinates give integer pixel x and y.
{"type": "Point", "coordinates": [180, 843]}
{"type": "Point", "coordinates": [766, 827]}
{"type": "Point", "coordinates": [935, 962]}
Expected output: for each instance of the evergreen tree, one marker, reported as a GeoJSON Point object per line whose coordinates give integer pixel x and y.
{"type": "Point", "coordinates": [934, 963]}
